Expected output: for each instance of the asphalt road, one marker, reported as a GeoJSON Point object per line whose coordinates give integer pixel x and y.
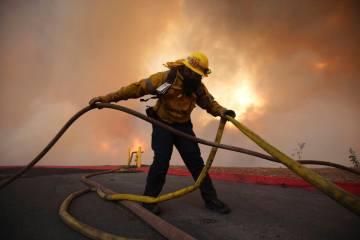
{"type": "Point", "coordinates": [28, 210]}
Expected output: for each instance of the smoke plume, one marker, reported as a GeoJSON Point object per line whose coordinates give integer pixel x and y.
{"type": "Point", "coordinates": [288, 68]}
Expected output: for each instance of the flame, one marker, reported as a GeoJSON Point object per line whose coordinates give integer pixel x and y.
{"type": "Point", "coordinates": [239, 95]}
{"type": "Point", "coordinates": [236, 93]}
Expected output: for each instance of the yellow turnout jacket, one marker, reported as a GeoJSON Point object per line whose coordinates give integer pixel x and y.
{"type": "Point", "coordinates": [174, 106]}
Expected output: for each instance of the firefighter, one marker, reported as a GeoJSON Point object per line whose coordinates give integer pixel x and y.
{"type": "Point", "coordinates": [179, 89]}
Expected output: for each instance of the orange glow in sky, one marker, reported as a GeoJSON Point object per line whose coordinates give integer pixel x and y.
{"type": "Point", "coordinates": [105, 146]}
{"type": "Point", "coordinates": [320, 65]}
{"type": "Point", "coordinates": [237, 94]}
{"type": "Point", "coordinates": [109, 148]}
{"type": "Point", "coordinates": [137, 143]}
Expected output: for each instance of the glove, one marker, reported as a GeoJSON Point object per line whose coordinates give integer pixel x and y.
{"type": "Point", "coordinates": [101, 99]}
{"type": "Point", "coordinates": [228, 112]}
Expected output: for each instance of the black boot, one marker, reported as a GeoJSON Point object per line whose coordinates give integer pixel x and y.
{"type": "Point", "coordinates": [214, 204]}
{"type": "Point", "coordinates": [152, 207]}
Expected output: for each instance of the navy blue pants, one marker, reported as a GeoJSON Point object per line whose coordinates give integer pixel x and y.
{"type": "Point", "coordinates": [162, 144]}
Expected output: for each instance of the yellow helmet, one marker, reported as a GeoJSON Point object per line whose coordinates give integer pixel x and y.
{"type": "Point", "coordinates": [198, 62]}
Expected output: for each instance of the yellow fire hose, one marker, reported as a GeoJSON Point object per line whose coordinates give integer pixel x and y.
{"type": "Point", "coordinates": [103, 192]}
{"type": "Point", "coordinates": [83, 228]}
{"type": "Point", "coordinates": [175, 194]}
{"type": "Point", "coordinates": [161, 226]}
{"type": "Point", "coordinates": [162, 125]}
{"type": "Point", "coordinates": [341, 196]}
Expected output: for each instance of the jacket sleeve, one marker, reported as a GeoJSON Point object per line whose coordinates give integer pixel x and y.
{"type": "Point", "coordinates": [206, 101]}
{"type": "Point", "coordinates": [137, 89]}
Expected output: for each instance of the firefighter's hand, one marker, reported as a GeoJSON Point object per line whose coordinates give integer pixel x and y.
{"type": "Point", "coordinates": [94, 100]}
{"type": "Point", "coordinates": [228, 112]}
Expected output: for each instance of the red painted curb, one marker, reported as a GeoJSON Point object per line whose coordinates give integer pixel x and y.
{"type": "Point", "coordinates": [224, 176]}
{"type": "Point", "coordinates": [265, 180]}
{"type": "Point", "coordinates": [104, 167]}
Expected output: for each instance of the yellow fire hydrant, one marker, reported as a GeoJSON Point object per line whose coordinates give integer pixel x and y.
{"type": "Point", "coordinates": [137, 157]}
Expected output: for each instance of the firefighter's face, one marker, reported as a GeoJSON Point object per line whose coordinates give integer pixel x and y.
{"type": "Point", "coordinates": [191, 75]}
{"type": "Point", "coordinates": [192, 80]}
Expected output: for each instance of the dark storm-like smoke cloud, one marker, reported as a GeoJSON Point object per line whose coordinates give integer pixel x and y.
{"type": "Point", "coordinates": [273, 34]}
{"type": "Point", "coordinates": [56, 55]}
{"type": "Point", "coordinates": [304, 57]}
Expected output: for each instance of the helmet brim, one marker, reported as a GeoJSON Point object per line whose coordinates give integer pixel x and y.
{"type": "Point", "coordinates": [187, 64]}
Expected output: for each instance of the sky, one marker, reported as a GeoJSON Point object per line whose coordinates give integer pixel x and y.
{"type": "Point", "coordinates": [290, 70]}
